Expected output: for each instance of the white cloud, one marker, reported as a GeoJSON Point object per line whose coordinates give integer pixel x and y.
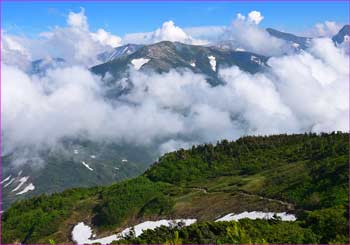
{"type": "Point", "coordinates": [78, 20]}
{"type": "Point", "coordinates": [255, 17]}
{"type": "Point", "coordinates": [314, 85]}
{"type": "Point", "coordinates": [13, 53]}
{"type": "Point", "coordinates": [106, 38]}
{"type": "Point", "coordinates": [74, 43]}
{"type": "Point", "coordinates": [326, 29]}
{"type": "Point", "coordinates": [240, 17]}
{"type": "Point", "coordinates": [167, 32]}
{"type": "Point", "coordinates": [244, 34]}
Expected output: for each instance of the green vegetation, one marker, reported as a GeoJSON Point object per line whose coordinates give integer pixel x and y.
{"type": "Point", "coordinates": [306, 174]}
{"type": "Point", "coordinates": [243, 232]}
{"type": "Point", "coordinates": [131, 197]}
{"type": "Point", "coordinates": [27, 221]}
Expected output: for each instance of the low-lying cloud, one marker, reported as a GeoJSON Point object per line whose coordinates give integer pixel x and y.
{"type": "Point", "coordinates": [297, 93]}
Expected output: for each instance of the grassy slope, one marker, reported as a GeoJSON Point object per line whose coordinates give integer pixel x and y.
{"type": "Point", "coordinates": [302, 173]}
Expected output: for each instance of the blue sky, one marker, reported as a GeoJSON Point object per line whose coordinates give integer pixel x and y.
{"type": "Point", "coordinates": [128, 17]}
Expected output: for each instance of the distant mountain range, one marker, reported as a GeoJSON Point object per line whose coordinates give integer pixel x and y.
{"type": "Point", "coordinates": [296, 41]}
{"type": "Point", "coordinates": [303, 42]}
{"type": "Point", "coordinates": [164, 56]}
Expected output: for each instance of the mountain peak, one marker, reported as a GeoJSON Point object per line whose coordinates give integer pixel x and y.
{"type": "Point", "coordinates": [301, 41]}
{"type": "Point", "coordinates": [341, 35]}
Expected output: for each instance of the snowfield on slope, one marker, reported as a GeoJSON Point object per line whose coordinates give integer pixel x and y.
{"type": "Point", "coordinates": [87, 166]}
{"type": "Point", "coordinates": [9, 177]}
{"type": "Point", "coordinates": [257, 215]}
{"type": "Point", "coordinates": [9, 183]}
{"type": "Point", "coordinates": [138, 63]}
{"type": "Point", "coordinates": [212, 61]}
{"type": "Point", "coordinates": [29, 187]}
{"type": "Point", "coordinates": [81, 233]}
{"type": "Point", "coordinates": [22, 181]}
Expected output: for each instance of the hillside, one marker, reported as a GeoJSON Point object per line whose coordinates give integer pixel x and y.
{"type": "Point", "coordinates": [75, 163]}
{"type": "Point", "coordinates": [305, 175]}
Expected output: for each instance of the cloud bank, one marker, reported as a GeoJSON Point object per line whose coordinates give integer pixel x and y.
{"type": "Point", "coordinates": [297, 93]}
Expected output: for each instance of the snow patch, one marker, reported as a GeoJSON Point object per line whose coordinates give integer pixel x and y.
{"type": "Point", "coordinates": [257, 215]}
{"type": "Point", "coordinates": [87, 166]}
{"type": "Point", "coordinates": [138, 63]}
{"type": "Point", "coordinates": [9, 183]}
{"type": "Point", "coordinates": [22, 181]}
{"type": "Point", "coordinates": [81, 233]}
{"type": "Point", "coordinates": [255, 59]}
{"type": "Point", "coordinates": [240, 49]}
{"type": "Point", "coordinates": [9, 177]}
{"type": "Point", "coordinates": [295, 45]}
{"type": "Point", "coordinates": [29, 187]}
{"type": "Point", "coordinates": [140, 228]}
{"type": "Point", "coordinates": [212, 61]}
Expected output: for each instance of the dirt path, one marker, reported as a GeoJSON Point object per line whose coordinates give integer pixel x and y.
{"type": "Point", "coordinates": [289, 205]}
{"type": "Point", "coordinates": [204, 190]}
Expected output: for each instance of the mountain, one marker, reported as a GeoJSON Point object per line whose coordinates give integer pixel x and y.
{"type": "Point", "coordinates": [163, 56]}
{"type": "Point", "coordinates": [78, 163]}
{"type": "Point", "coordinates": [299, 183]}
{"type": "Point", "coordinates": [296, 41]}
{"type": "Point", "coordinates": [119, 52]}
{"type": "Point", "coordinates": [303, 42]}
{"type": "Point", "coordinates": [342, 34]}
